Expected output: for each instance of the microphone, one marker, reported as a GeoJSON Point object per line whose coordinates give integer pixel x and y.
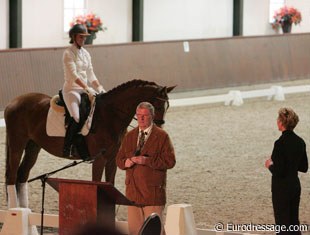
{"type": "Point", "coordinates": [92, 159]}
{"type": "Point", "coordinates": [137, 152]}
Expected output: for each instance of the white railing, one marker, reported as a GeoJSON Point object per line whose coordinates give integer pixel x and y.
{"type": "Point", "coordinates": [179, 221]}
{"type": "Point", "coordinates": [234, 97]}
{"type": "Point", "coordinates": [21, 221]}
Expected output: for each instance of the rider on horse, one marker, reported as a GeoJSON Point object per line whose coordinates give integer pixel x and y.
{"type": "Point", "coordinates": [78, 72]}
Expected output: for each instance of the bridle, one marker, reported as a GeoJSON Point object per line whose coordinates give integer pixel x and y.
{"type": "Point", "coordinates": [156, 100]}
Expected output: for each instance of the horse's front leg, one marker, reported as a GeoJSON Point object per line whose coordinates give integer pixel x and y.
{"type": "Point", "coordinates": [110, 169]}
{"type": "Point", "coordinates": [97, 168]}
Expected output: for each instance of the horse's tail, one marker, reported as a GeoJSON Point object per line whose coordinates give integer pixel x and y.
{"type": "Point", "coordinates": [6, 164]}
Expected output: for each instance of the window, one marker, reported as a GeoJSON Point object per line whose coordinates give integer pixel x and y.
{"type": "Point", "coordinates": [274, 6]}
{"type": "Point", "coordinates": [73, 8]}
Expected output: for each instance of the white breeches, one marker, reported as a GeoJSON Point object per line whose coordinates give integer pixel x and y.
{"type": "Point", "coordinates": [72, 99]}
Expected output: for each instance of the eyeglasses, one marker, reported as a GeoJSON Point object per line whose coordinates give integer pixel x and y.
{"type": "Point", "coordinates": [142, 115]}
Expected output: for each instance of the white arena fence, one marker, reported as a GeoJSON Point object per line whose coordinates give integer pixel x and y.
{"type": "Point", "coordinates": [179, 221]}
{"type": "Point", "coordinates": [235, 97]}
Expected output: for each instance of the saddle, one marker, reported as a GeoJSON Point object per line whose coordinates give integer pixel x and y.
{"type": "Point", "coordinates": [73, 132]}
{"type": "Point", "coordinates": [58, 104]}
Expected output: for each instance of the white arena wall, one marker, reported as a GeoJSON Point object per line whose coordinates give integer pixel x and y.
{"type": "Point", "coordinates": [42, 21]}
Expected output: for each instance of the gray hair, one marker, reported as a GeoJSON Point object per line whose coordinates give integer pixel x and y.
{"type": "Point", "coordinates": [147, 105]}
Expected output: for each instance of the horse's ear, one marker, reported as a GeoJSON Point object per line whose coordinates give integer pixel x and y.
{"type": "Point", "coordinates": [170, 88]}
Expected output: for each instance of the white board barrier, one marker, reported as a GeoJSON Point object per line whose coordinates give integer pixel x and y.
{"type": "Point", "coordinates": [180, 220]}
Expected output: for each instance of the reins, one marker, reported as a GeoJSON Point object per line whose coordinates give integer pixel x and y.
{"type": "Point", "coordinates": [156, 121]}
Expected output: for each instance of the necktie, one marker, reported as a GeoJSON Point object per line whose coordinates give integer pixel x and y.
{"type": "Point", "coordinates": [140, 143]}
{"type": "Point", "coordinates": [141, 140]}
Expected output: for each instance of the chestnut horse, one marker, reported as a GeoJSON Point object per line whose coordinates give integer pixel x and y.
{"type": "Point", "coordinates": [25, 119]}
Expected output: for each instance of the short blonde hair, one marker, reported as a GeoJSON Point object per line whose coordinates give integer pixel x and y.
{"type": "Point", "coordinates": [288, 118]}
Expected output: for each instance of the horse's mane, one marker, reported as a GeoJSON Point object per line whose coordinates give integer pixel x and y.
{"type": "Point", "coordinates": [126, 85]}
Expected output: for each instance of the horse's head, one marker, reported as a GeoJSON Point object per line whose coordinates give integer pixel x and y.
{"type": "Point", "coordinates": [118, 105]}
{"type": "Point", "coordinates": [161, 105]}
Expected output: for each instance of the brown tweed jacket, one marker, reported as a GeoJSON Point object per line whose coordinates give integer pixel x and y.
{"type": "Point", "coordinates": [146, 184]}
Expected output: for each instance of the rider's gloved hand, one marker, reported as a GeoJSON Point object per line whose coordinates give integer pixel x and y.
{"type": "Point", "coordinates": [90, 91]}
{"type": "Point", "coordinates": [100, 89]}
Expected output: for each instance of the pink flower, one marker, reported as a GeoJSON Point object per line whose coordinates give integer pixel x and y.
{"type": "Point", "coordinates": [91, 21]}
{"type": "Point", "coordinates": [284, 15]}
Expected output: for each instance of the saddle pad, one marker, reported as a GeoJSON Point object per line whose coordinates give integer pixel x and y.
{"type": "Point", "coordinates": [55, 123]}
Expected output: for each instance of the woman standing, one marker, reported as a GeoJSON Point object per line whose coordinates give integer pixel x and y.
{"type": "Point", "coordinates": [288, 157]}
{"type": "Point", "coordinates": [78, 74]}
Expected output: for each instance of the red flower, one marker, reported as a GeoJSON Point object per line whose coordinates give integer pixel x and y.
{"type": "Point", "coordinates": [286, 14]}
{"type": "Point", "coordinates": [91, 21]}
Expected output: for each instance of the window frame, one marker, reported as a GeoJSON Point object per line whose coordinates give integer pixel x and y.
{"type": "Point", "coordinates": [274, 5]}
{"type": "Point", "coordinates": [75, 12]}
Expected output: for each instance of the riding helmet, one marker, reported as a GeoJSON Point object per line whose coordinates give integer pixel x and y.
{"type": "Point", "coordinates": [77, 29]}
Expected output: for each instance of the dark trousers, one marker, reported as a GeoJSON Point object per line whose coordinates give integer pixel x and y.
{"type": "Point", "coordinates": [285, 200]}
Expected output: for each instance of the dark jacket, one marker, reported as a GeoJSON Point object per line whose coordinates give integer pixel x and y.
{"type": "Point", "coordinates": [289, 156]}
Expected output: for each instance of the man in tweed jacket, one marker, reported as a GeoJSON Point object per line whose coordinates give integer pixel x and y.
{"type": "Point", "coordinates": [146, 168]}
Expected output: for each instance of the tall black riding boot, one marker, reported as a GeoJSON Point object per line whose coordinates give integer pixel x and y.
{"type": "Point", "coordinates": [81, 147]}
{"type": "Point", "coordinates": [72, 130]}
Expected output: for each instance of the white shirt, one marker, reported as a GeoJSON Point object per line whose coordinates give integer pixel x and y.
{"type": "Point", "coordinates": [77, 64]}
{"type": "Point", "coordinates": [147, 133]}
